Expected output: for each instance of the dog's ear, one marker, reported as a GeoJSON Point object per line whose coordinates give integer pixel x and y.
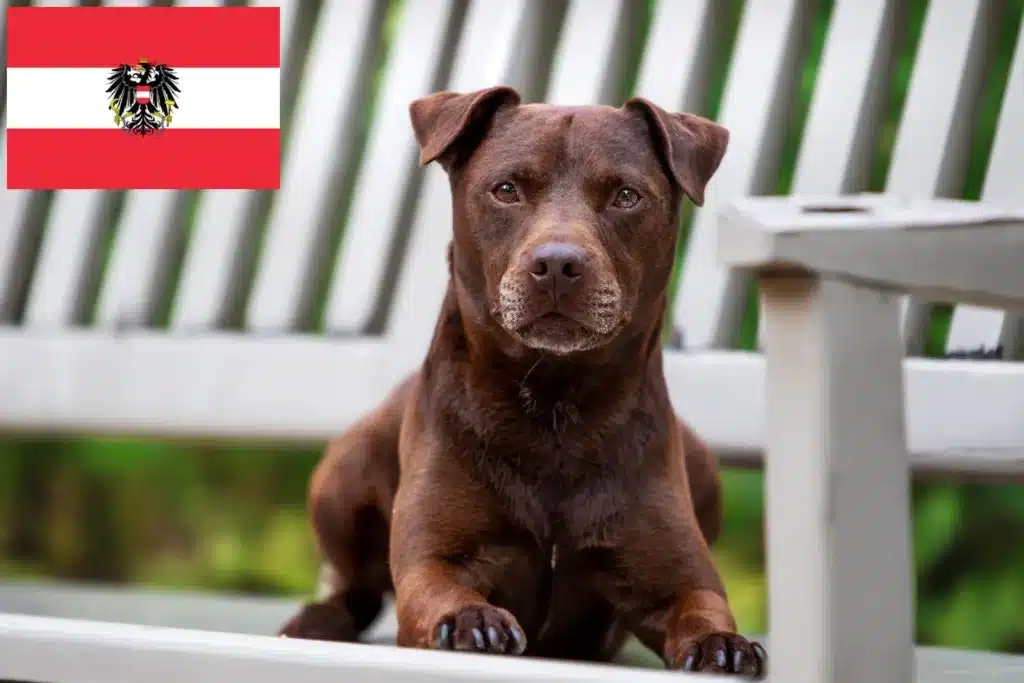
{"type": "Point", "coordinates": [691, 146]}
{"type": "Point", "coordinates": [439, 120]}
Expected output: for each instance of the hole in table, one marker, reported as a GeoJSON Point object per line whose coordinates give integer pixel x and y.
{"type": "Point", "coordinates": [834, 208]}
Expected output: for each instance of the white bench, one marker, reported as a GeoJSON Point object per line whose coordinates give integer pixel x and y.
{"type": "Point", "coordinates": [245, 354]}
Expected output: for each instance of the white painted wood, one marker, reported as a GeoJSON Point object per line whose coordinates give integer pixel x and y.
{"type": "Point", "coordinates": [676, 65]}
{"type": "Point", "coordinates": [129, 604]}
{"type": "Point", "coordinates": [591, 54]}
{"type": "Point", "coordinates": [263, 615]}
{"type": "Point", "coordinates": [16, 232]}
{"type": "Point", "coordinates": [147, 238]}
{"type": "Point", "coordinates": [940, 249]}
{"type": "Point", "coordinates": [497, 40]}
{"type": "Point", "coordinates": [226, 226]}
{"type": "Point", "coordinates": [1004, 178]}
{"type": "Point", "coordinates": [68, 651]}
{"type": "Point", "coordinates": [324, 131]}
{"type": "Point", "coordinates": [765, 65]}
{"type": "Point", "coordinates": [382, 194]}
{"type": "Point", "coordinates": [835, 442]}
{"type": "Point", "coordinates": [933, 143]}
{"type": "Point", "coordinates": [961, 416]}
{"type": "Point", "coordinates": [849, 98]}
{"type": "Point", "coordinates": [69, 258]}
{"type": "Point", "coordinates": [847, 106]}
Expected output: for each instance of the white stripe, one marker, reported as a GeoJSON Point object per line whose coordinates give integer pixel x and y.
{"type": "Point", "coordinates": [209, 98]}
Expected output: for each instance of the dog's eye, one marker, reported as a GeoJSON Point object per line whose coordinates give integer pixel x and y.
{"type": "Point", "coordinates": [505, 193]}
{"type": "Point", "coordinates": [626, 198]}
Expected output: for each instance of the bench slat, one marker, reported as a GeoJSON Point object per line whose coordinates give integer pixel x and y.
{"type": "Point", "coordinates": [933, 143]}
{"type": "Point", "coordinates": [324, 132]}
{"type": "Point", "coordinates": [973, 326]}
{"type": "Point", "coordinates": [848, 104]}
{"type": "Point", "coordinates": [387, 181]}
{"type": "Point", "coordinates": [17, 232]}
{"type": "Point", "coordinates": [591, 52]}
{"type": "Point", "coordinates": [69, 258]}
{"type": "Point", "coordinates": [237, 614]}
{"type": "Point", "coordinates": [962, 416]}
{"type": "Point", "coordinates": [78, 651]}
{"type": "Point", "coordinates": [497, 40]}
{"type": "Point", "coordinates": [849, 98]}
{"type": "Point", "coordinates": [765, 66]}
{"type": "Point", "coordinates": [136, 279]}
{"type": "Point", "coordinates": [676, 65]}
{"type": "Point", "coordinates": [226, 226]}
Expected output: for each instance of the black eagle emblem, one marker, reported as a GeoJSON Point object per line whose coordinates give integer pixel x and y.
{"type": "Point", "coordinates": [143, 96]}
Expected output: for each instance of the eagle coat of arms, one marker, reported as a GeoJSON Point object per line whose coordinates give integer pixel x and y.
{"type": "Point", "coordinates": [143, 96]}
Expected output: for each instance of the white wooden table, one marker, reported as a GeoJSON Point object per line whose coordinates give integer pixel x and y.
{"type": "Point", "coordinates": [837, 469]}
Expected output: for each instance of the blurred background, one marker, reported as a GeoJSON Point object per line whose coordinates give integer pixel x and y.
{"type": "Point", "coordinates": [219, 518]}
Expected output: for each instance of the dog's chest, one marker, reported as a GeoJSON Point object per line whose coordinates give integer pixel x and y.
{"type": "Point", "coordinates": [564, 492]}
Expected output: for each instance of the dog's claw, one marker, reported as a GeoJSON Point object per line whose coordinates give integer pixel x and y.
{"type": "Point", "coordinates": [443, 640]}
{"type": "Point", "coordinates": [726, 653]}
{"type": "Point", "coordinates": [478, 639]}
{"type": "Point", "coordinates": [737, 660]}
{"type": "Point", "coordinates": [480, 629]}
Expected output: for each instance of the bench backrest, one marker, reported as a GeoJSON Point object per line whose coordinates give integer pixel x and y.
{"type": "Point", "coordinates": [353, 243]}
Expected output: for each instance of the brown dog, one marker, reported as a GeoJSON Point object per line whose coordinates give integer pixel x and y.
{"type": "Point", "coordinates": [530, 488]}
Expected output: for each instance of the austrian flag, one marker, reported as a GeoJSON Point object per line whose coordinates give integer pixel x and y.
{"type": "Point", "coordinates": [121, 98]}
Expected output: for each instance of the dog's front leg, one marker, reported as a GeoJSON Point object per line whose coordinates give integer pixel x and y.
{"type": "Point", "coordinates": [672, 597]}
{"type": "Point", "coordinates": [437, 527]}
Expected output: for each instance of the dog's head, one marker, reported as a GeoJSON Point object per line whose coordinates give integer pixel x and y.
{"type": "Point", "coordinates": [566, 218]}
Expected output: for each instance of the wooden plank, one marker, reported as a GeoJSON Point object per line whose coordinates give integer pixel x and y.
{"type": "Point", "coordinates": [496, 42]}
{"type": "Point", "coordinates": [948, 249]}
{"type": "Point", "coordinates": [261, 615]}
{"type": "Point", "coordinates": [71, 651]}
{"type": "Point", "coordinates": [848, 105]}
{"type": "Point", "coordinates": [765, 66]}
{"type": "Point", "coordinates": [849, 99]}
{"type": "Point", "coordinates": [213, 274]}
{"type": "Point", "coordinates": [591, 53]}
{"type": "Point", "coordinates": [148, 239]}
{"type": "Point", "coordinates": [973, 326]}
{"type": "Point", "coordinates": [961, 416]}
{"type": "Point", "coordinates": [835, 440]}
{"type": "Point", "coordinates": [324, 131]}
{"type": "Point", "coordinates": [385, 188]}
{"type": "Point", "coordinates": [69, 259]}
{"type": "Point", "coordinates": [20, 211]}
{"type": "Point", "coordinates": [127, 604]}
{"type": "Point", "coordinates": [933, 143]}
{"type": "Point", "coordinates": [676, 65]}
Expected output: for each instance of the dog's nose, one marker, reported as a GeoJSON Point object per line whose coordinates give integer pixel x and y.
{"type": "Point", "coordinates": [558, 265]}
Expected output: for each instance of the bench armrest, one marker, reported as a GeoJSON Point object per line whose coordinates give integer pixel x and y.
{"type": "Point", "coordinates": [936, 249]}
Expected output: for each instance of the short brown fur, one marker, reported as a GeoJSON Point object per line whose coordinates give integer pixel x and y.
{"type": "Point", "coordinates": [530, 487]}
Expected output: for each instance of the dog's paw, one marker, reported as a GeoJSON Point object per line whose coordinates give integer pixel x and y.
{"type": "Point", "coordinates": [320, 621]}
{"type": "Point", "coordinates": [480, 628]}
{"type": "Point", "coordinates": [727, 653]}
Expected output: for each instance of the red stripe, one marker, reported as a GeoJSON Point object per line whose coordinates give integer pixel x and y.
{"type": "Point", "coordinates": [176, 36]}
{"type": "Point", "coordinates": [188, 159]}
